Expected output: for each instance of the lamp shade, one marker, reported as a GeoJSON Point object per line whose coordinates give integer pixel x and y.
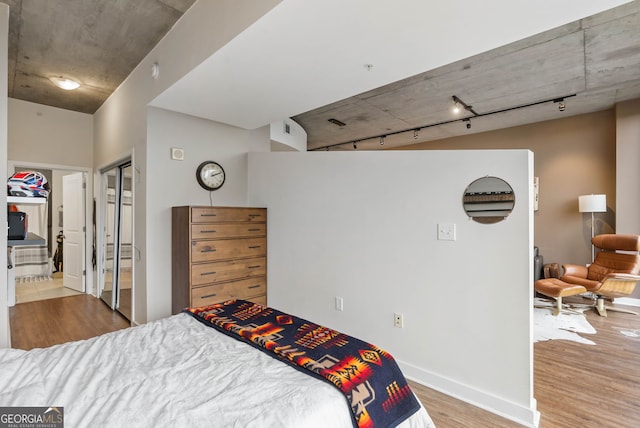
{"type": "Point", "coordinates": [592, 203]}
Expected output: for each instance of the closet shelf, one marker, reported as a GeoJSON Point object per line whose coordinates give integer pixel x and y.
{"type": "Point", "coordinates": [32, 239]}
{"type": "Point", "coordinates": [26, 200]}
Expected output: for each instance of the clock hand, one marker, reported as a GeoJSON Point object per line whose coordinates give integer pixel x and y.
{"type": "Point", "coordinates": [217, 173]}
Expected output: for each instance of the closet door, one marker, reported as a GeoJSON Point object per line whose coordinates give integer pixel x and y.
{"type": "Point", "coordinates": [73, 201]}
{"type": "Point", "coordinates": [117, 251]}
{"type": "Point", "coordinates": [125, 254]}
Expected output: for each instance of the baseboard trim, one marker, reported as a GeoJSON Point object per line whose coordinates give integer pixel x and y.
{"type": "Point", "coordinates": [529, 417]}
{"type": "Point", "coordinates": [629, 301]}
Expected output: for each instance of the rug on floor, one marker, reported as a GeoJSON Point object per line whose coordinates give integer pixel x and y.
{"type": "Point", "coordinates": [564, 326]}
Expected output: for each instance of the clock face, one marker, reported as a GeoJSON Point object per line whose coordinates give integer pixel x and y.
{"type": "Point", "coordinates": [210, 175]}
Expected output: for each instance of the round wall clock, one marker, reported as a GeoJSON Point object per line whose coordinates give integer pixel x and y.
{"type": "Point", "coordinates": [210, 175]}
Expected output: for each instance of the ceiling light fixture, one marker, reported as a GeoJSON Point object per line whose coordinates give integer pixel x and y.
{"type": "Point", "coordinates": [466, 120]}
{"type": "Point", "coordinates": [64, 83]}
{"type": "Point", "coordinates": [355, 147]}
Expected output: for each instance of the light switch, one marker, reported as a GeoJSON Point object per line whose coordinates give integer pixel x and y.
{"type": "Point", "coordinates": [446, 232]}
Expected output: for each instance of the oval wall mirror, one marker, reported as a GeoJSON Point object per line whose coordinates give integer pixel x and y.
{"type": "Point", "coordinates": [488, 200]}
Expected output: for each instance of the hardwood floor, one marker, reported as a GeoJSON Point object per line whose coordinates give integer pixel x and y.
{"type": "Point", "coordinates": [576, 385]}
{"type": "Point", "coordinates": [589, 386]}
{"type": "Point", "coordinates": [49, 322]}
{"type": "Point", "coordinates": [447, 412]}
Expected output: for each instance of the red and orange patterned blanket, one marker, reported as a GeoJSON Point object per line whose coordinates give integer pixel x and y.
{"type": "Point", "coordinates": [368, 376]}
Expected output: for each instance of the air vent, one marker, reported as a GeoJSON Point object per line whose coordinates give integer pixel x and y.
{"type": "Point", "coordinates": [337, 122]}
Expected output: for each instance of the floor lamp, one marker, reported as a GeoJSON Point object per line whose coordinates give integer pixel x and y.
{"type": "Point", "coordinates": [592, 204]}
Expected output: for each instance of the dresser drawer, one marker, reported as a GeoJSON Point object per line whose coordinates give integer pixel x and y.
{"type": "Point", "coordinates": [217, 214]}
{"type": "Point", "coordinates": [258, 299]}
{"type": "Point", "coordinates": [227, 230]}
{"type": "Point", "coordinates": [244, 289]}
{"type": "Point", "coordinates": [206, 251]}
{"type": "Point", "coordinates": [226, 271]}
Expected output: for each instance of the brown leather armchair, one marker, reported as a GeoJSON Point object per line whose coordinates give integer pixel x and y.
{"type": "Point", "coordinates": [614, 273]}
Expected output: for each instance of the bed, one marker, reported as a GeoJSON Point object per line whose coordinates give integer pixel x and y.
{"type": "Point", "coordinates": [173, 372]}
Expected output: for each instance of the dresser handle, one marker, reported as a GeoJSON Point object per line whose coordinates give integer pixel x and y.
{"type": "Point", "coordinates": [206, 296]}
{"type": "Point", "coordinates": [254, 267]}
{"type": "Point", "coordinates": [207, 273]}
{"type": "Point", "coordinates": [255, 215]}
{"type": "Point", "coordinates": [254, 286]}
{"type": "Point", "coordinates": [254, 230]}
{"type": "Point", "coordinates": [207, 231]}
{"type": "Point", "coordinates": [253, 247]}
{"type": "Point", "coordinates": [208, 215]}
{"type": "Point", "coordinates": [208, 250]}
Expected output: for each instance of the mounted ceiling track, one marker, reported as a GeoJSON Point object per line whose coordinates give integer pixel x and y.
{"type": "Point", "coordinates": [466, 120]}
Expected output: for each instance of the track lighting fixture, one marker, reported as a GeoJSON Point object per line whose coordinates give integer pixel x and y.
{"type": "Point", "coordinates": [355, 147]}
{"type": "Point", "coordinates": [466, 120]}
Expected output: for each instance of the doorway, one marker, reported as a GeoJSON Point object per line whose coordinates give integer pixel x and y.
{"type": "Point", "coordinates": [38, 276]}
{"type": "Point", "coordinates": [116, 270]}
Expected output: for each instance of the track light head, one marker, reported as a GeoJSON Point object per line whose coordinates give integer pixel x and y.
{"type": "Point", "coordinates": [561, 105]}
{"type": "Point", "coordinates": [456, 108]}
{"type": "Point", "coordinates": [468, 122]}
{"type": "Point", "coordinates": [382, 140]}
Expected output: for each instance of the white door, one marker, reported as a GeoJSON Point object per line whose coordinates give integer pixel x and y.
{"type": "Point", "coordinates": [72, 229]}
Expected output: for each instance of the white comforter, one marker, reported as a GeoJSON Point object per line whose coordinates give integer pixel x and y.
{"type": "Point", "coordinates": [174, 372]}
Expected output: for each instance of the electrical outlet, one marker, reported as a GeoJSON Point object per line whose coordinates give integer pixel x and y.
{"type": "Point", "coordinates": [398, 320]}
{"type": "Point", "coordinates": [339, 304]}
{"type": "Point", "coordinates": [447, 232]}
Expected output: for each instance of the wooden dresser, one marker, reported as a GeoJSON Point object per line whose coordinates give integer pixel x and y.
{"type": "Point", "coordinates": [218, 253]}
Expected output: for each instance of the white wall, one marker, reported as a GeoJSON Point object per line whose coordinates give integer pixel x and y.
{"type": "Point", "coordinates": [120, 125]}
{"type": "Point", "coordinates": [287, 135]}
{"type": "Point", "coordinates": [41, 136]}
{"type": "Point", "coordinates": [44, 134]}
{"type": "Point", "coordinates": [173, 183]}
{"type": "Point", "coordinates": [362, 226]}
{"type": "Point", "coordinates": [4, 38]}
{"type": "Point", "coordinates": [627, 171]}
